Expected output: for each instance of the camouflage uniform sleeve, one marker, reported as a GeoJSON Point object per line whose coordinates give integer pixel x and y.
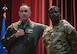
{"type": "Point", "coordinates": [71, 37]}
{"type": "Point", "coordinates": [46, 36]}
{"type": "Point", "coordinates": [9, 37]}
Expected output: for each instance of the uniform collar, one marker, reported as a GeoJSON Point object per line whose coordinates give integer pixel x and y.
{"type": "Point", "coordinates": [58, 26]}
{"type": "Point", "coordinates": [27, 24]}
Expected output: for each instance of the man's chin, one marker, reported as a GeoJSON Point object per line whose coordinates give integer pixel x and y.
{"type": "Point", "coordinates": [23, 18]}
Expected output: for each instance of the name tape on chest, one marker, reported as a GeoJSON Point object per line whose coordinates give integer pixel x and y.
{"type": "Point", "coordinates": [29, 30]}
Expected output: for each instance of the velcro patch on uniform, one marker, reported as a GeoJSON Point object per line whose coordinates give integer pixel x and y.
{"type": "Point", "coordinates": [29, 30]}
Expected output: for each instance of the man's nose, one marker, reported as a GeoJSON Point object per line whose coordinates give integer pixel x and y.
{"type": "Point", "coordinates": [23, 12]}
{"type": "Point", "coordinates": [55, 14]}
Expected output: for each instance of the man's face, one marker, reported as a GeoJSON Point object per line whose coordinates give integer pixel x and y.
{"type": "Point", "coordinates": [24, 12]}
{"type": "Point", "coordinates": [54, 13]}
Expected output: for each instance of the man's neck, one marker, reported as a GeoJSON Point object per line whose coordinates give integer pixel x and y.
{"type": "Point", "coordinates": [25, 21]}
{"type": "Point", "coordinates": [55, 23]}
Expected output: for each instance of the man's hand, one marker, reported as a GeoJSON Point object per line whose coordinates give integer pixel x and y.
{"type": "Point", "coordinates": [19, 33]}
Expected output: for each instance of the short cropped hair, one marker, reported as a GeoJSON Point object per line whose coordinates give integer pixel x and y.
{"type": "Point", "coordinates": [53, 7]}
{"type": "Point", "coordinates": [25, 5]}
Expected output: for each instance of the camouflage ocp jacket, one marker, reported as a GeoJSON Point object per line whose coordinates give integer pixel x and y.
{"type": "Point", "coordinates": [25, 44]}
{"type": "Point", "coordinates": [61, 39]}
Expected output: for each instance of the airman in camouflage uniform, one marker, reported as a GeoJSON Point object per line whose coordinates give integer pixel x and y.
{"type": "Point", "coordinates": [61, 37]}
{"type": "Point", "coordinates": [22, 36]}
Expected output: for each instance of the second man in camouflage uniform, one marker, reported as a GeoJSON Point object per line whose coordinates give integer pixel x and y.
{"type": "Point", "coordinates": [61, 37]}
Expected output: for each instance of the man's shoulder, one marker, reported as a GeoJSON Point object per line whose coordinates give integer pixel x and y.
{"type": "Point", "coordinates": [67, 24]}
{"type": "Point", "coordinates": [39, 24]}
{"type": "Point", "coordinates": [68, 27]}
{"type": "Point", "coordinates": [65, 21]}
{"type": "Point", "coordinates": [36, 23]}
{"type": "Point", "coordinates": [15, 24]}
{"type": "Point", "coordinates": [48, 29]}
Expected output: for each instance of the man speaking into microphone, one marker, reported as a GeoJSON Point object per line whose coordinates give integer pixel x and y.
{"type": "Point", "coordinates": [22, 36]}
